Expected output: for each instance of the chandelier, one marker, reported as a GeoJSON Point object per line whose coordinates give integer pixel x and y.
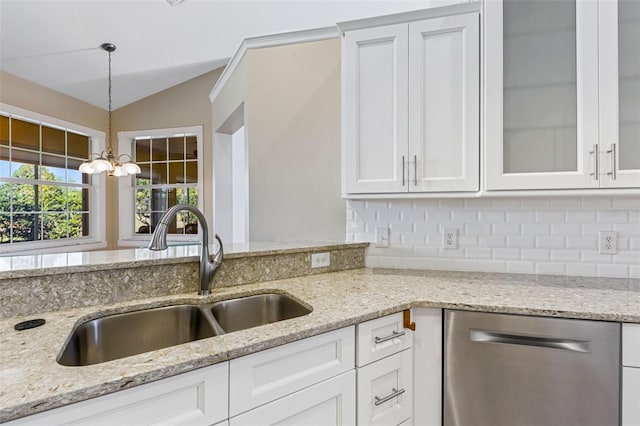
{"type": "Point", "coordinates": [107, 161]}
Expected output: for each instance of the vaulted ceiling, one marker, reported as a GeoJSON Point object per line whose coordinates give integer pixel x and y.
{"type": "Point", "coordinates": [56, 43]}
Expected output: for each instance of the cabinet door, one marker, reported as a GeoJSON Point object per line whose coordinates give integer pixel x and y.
{"type": "Point", "coordinates": [331, 402]}
{"type": "Point", "coordinates": [385, 390]}
{"type": "Point", "coordinates": [374, 125]}
{"type": "Point", "coordinates": [619, 37]}
{"type": "Point", "coordinates": [444, 104]}
{"type": "Point", "coordinates": [198, 397]}
{"type": "Point", "coordinates": [630, 396]}
{"type": "Point", "coordinates": [264, 376]}
{"type": "Point", "coordinates": [541, 94]}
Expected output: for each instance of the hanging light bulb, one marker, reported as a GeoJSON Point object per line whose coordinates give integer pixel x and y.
{"type": "Point", "coordinates": [107, 161]}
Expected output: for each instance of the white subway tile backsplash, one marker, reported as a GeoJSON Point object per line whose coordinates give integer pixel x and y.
{"type": "Point", "coordinates": [521, 241]}
{"type": "Point", "coordinates": [613, 216]}
{"type": "Point", "coordinates": [478, 253]}
{"type": "Point", "coordinates": [492, 241]}
{"type": "Point", "coordinates": [585, 269]}
{"type": "Point", "coordinates": [565, 203]}
{"type": "Point", "coordinates": [565, 229]}
{"type": "Point", "coordinates": [627, 203]}
{"type": "Point", "coordinates": [630, 229]}
{"type": "Point", "coordinates": [551, 268]}
{"type": "Point", "coordinates": [536, 254]}
{"type": "Point", "coordinates": [565, 255]}
{"type": "Point", "coordinates": [506, 228]}
{"type": "Point", "coordinates": [581, 217]}
{"type": "Point", "coordinates": [582, 243]}
{"type": "Point", "coordinates": [506, 253]}
{"type": "Point", "coordinates": [550, 217]}
{"type": "Point", "coordinates": [536, 229]}
{"type": "Point", "coordinates": [555, 235]}
{"type": "Point", "coordinates": [549, 242]}
{"type": "Point", "coordinates": [597, 203]}
{"type": "Point", "coordinates": [521, 267]}
{"type": "Point", "coordinates": [613, 270]}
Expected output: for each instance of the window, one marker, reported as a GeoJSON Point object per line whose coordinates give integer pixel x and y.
{"type": "Point", "coordinates": [171, 175]}
{"type": "Point", "coordinates": [45, 201]}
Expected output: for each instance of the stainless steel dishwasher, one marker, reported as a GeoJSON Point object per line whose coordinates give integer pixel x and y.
{"type": "Point", "coordinates": [516, 370]}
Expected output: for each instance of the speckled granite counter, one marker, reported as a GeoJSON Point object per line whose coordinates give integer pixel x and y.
{"type": "Point", "coordinates": [32, 381]}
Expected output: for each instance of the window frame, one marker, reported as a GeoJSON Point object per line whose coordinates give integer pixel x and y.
{"type": "Point", "coordinates": [96, 239]}
{"type": "Point", "coordinates": [126, 195]}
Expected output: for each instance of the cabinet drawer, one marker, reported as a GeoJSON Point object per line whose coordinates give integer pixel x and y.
{"type": "Point", "coordinates": [331, 402]}
{"type": "Point", "coordinates": [265, 376]}
{"type": "Point", "coordinates": [195, 398]}
{"type": "Point", "coordinates": [630, 396]}
{"type": "Point", "coordinates": [385, 390]}
{"type": "Point", "coordinates": [631, 345]}
{"type": "Point", "coordinates": [382, 337]}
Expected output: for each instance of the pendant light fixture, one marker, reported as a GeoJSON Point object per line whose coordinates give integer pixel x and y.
{"type": "Point", "coordinates": [107, 161]}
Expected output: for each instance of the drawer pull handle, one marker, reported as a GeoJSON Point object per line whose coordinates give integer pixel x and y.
{"type": "Point", "coordinates": [394, 334]}
{"type": "Point", "coordinates": [394, 394]}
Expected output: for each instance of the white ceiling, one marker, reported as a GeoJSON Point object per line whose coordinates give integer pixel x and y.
{"type": "Point", "coordinates": [56, 43]}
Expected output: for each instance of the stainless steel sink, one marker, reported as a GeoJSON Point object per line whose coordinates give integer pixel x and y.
{"type": "Point", "coordinates": [252, 311]}
{"type": "Point", "coordinates": [131, 333]}
{"type": "Point", "coordinates": [117, 336]}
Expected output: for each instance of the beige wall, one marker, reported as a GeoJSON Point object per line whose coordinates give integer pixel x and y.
{"type": "Point", "coordinates": [185, 104]}
{"type": "Point", "coordinates": [24, 94]}
{"type": "Point", "coordinates": [294, 143]}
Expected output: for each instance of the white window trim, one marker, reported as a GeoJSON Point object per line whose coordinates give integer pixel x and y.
{"type": "Point", "coordinates": [126, 236]}
{"type": "Point", "coordinates": [97, 193]}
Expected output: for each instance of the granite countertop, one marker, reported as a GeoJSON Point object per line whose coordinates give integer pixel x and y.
{"type": "Point", "coordinates": [32, 381]}
{"type": "Point", "coordinates": [62, 263]}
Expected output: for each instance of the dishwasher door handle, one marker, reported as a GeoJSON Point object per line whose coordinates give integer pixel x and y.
{"type": "Point", "coordinates": [485, 336]}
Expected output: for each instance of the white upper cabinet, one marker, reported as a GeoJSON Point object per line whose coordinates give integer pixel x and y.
{"type": "Point", "coordinates": [444, 103]}
{"type": "Point", "coordinates": [553, 117]}
{"type": "Point", "coordinates": [375, 90]}
{"type": "Point", "coordinates": [619, 38]}
{"type": "Point", "coordinates": [411, 106]}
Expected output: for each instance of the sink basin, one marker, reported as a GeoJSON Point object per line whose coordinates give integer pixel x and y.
{"type": "Point", "coordinates": [252, 311]}
{"type": "Point", "coordinates": [131, 333]}
{"type": "Point", "coordinates": [117, 336]}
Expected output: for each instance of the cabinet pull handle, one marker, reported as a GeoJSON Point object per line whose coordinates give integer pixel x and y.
{"type": "Point", "coordinates": [415, 170]}
{"type": "Point", "coordinates": [596, 172]}
{"type": "Point", "coordinates": [394, 394]}
{"type": "Point", "coordinates": [612, 151]}
{"type": "Point", "coordinates": [403, 170]}
{"type": "Point", "coordinates": [394, 334]}
{"type": "Point", "coordinates": [574, 345]}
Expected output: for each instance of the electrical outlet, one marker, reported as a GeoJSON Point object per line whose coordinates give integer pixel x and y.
{"type": "Point", "coordinates": [382, 237]}
{"type": "Point", "coordinates": [607, 242]}
{"type": "Point", "coordinates": [449, 238]}
{"type": "Point", "coordinates": [320, 260]}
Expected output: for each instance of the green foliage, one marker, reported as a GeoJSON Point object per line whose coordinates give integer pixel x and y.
{"type": "Point", "coordinates": [39, 211]}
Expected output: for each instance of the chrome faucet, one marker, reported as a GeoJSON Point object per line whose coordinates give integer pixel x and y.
{"type": "Point", "coordinates": [208, 267]}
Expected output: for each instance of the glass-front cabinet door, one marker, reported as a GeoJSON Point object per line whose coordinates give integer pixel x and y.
{"type": "Point", "coordinates": [619, 92]}
{"type": "Point", "coordinates": [541, 111]}
{"type": "Point", "coordinates": [562, 91]}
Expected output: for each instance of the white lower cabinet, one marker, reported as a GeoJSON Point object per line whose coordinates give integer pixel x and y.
{"type": "Point", "coordinates": [630, 396]}
{"type": "Point", "coordinates": [331, 402]}
{"type": "Point", "coordinates": [265, 376]}
{"type": "Point", "coordinates": [199, 397]}
{"type": "Point", "coordinates": [630, 375]}
{"type": "Point", "coordinates": [385, 390]}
